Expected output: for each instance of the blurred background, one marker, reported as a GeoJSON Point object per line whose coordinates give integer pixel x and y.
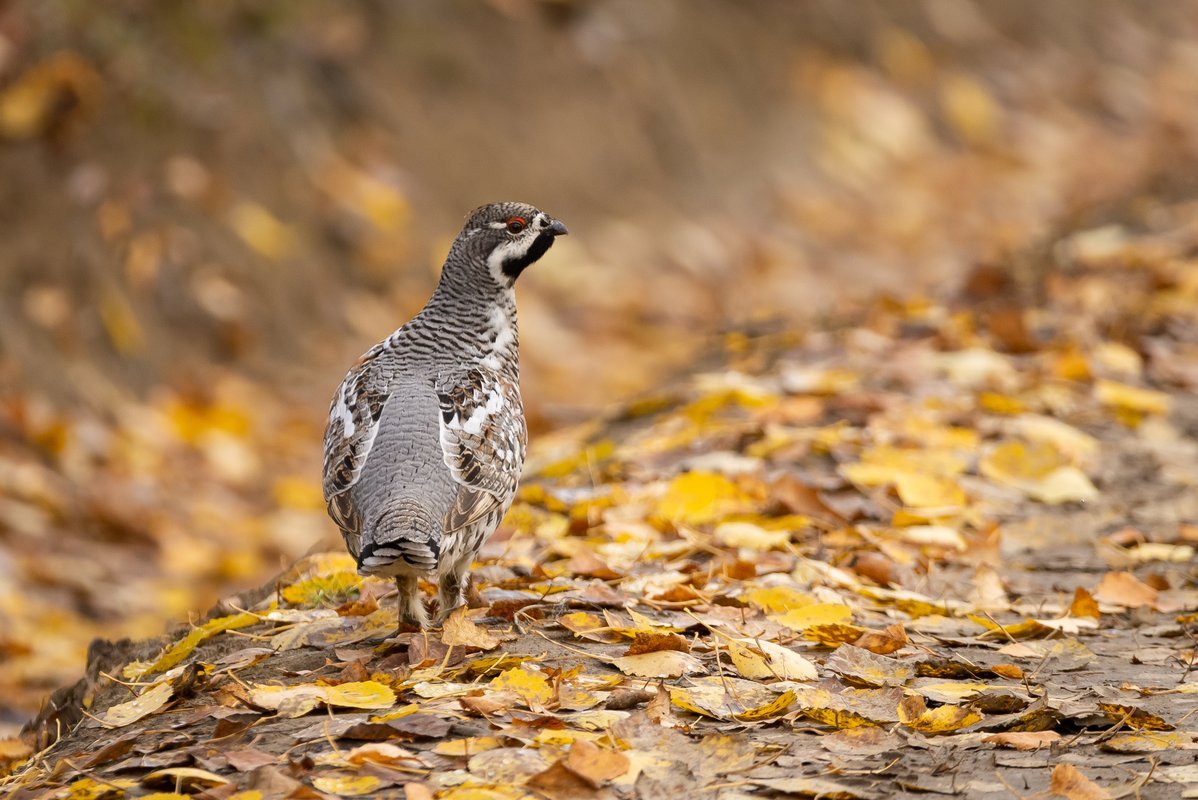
{"type": "Point", "coordinates": [208, 210]}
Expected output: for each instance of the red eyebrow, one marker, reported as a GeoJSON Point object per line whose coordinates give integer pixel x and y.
{"type": "Point", "coordinates": [521, 220]}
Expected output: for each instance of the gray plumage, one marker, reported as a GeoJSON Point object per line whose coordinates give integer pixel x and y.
{"type": "Point", "coordinates": [426, 434]}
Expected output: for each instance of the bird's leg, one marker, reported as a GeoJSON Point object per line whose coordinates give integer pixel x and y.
{"type": "Point", "coordinates": [450, 591]}
{"type": "Point", "coordinates": [411, 608]}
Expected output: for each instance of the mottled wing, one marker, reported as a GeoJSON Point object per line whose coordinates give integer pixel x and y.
{"type": "Point", "coordinates": [353, 424]}
{"type": "Point", "coordinates": [483, 437]}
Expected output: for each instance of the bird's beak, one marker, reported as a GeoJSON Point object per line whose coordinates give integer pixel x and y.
{"type": "Point", "coordinates": [557, 228]}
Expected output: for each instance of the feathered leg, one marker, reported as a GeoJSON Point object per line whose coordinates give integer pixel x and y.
{"type": "Point", "coordinates": [411, 607]}
{"type": "Point", "coordinates": [451, 590]}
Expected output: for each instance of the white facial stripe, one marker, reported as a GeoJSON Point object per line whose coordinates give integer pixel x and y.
{"type": "Point", "coordinates": [509, 249]}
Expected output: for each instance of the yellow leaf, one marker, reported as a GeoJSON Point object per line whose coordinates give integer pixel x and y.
{"type": "Point", "coordinates": [1076, 445]}
{"type": "Point", "coordinates": [261, 230]}
{"type": "Point", "coordinates": [969, 108]}
{"type": "Point", "coordinates": [474, 792]}
{"type": "Point", "coordinates": [883, 464]}
{"type": "Point", "coordinates": [748, 535]}
{"type": "Point", "coordinates": [1039, 470]}
{"type": "Point", "coordinates": [927, 491]}
{"type": "Point", "coordinates": [184, 647]}
{"type": "Point", "coordinates": [774, 708]}
{"type": "Point", "coordinates": [588, 456]}
{"type": "Point", "coordinates": [295, 701]}
{"type": "Point", "coordinates": [530, 684]}
{"type": "Point", "coordinates": [293, 491]}
{"type": "Point", "coordinates": [120, 322]}
{"type": "Point", "coordinates": [360, 694]}
{"type": "Point", "coordinates": [141, 706]}
{"type": "Point", "coordinates": [932, 535]}
{"type": "Point", "coordinates": [834, 635]}
{"type": "Point", "coordinates": [697, 498]}
{"type": "Point", "coordinates": [659, 664]}
{"type": "Point", "coordinates": [1132, 398]}
{"type": "Point", "coordinates": [323, 590]}
{"type": "Point", "coordinates": [165, 796]}
{"type": "Point", "coordinates": [108, 789]}
{"type": "Point", "coordinates": [1027, 629]}
{"type": "Point", "coordinates": [185, 776]}
{"type": "Point", "coordinates": [762, 660]}
{"type": "Point", "coordinates": [468, 746]}
{"type": "Point", "coordinates": [800, 619]}
{"type": "Point", "coordinates": [347, 785]}
{"type": "Point", "coordinates": [1000, 403]}
{"type": "Point", "coordinates": [721, 696]}
{"type": "Point", "coordinates": [778, 599]}
{"type": "Point", "coordinates": [945, 719]}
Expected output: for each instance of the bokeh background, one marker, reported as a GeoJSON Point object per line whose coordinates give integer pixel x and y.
{"type": "Point", "coordinates": [207, 210]}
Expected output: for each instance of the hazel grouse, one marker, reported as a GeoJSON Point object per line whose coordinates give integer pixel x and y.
{"type": "Point", "coordinates": [426, 434]}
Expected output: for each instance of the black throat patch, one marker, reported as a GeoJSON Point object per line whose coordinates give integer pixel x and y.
{"type": "Point", "coordinates": [513, 266]}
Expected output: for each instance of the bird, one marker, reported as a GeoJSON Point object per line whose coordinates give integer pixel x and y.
{"type": "Point", "coordinates": [426, 434]}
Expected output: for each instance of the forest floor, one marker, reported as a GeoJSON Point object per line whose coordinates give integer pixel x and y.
{"type": "Point", "coordinates": [927, 548]}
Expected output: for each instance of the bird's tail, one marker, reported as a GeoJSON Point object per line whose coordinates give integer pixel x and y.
{"type": "Point", "coordinates": [405, 538]}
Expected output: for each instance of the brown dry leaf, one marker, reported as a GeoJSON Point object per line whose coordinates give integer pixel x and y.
{"type": "Point", "coordinates": [594, 764]}
{"type": "Point", "coordinates": [654, 642]}
{"type": "Point", "coordinates": [1070, 783]}
{"type": "Point", "coordinates": [459, 630]}
{"type": "Point", "coordinates": [1024, 740]}
{"type": "Point", "coordinates": [1124, 589]}
{"type": "Point", "coordinates": [890, 639]}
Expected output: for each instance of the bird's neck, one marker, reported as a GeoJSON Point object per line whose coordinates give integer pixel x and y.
{"type": "Point", "coordinates": [484, 319]}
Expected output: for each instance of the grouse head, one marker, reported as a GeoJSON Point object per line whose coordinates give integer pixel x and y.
{"type": "Point", "coordinates": [508, 237]}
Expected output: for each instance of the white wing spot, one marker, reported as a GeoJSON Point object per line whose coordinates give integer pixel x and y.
{"type": "Point", "coordinates": [341, 411]}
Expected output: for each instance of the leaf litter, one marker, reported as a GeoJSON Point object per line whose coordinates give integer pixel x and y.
{"type": "Point", "coordinates": [938, 549]}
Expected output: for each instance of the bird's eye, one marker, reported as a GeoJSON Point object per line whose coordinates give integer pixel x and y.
{"type": "Point", "coordinates": [517, 224]}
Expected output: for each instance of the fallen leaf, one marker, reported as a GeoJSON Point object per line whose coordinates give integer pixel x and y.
{"type": "Point", "coordinates": [1084, 604]}
{"type": "Point", "coordinates": [763, 660]}
{"type": "Point", "coordinates": [530, 684]}
{"type": "Point", "coordinates": [141, 706]}
{"type": "Point", "coordinates": [1023, 740]}
{"type": "Point", "coordinates": [461, 631]}
{"type": "Point", "coordinates": [1124, 589]}
{"type": "Point", "coordinates": [1070, 783]}
{"type": "Point", "coordinates": [800, 619]}
{"type": "Point", "coordinates": [659, 664]}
